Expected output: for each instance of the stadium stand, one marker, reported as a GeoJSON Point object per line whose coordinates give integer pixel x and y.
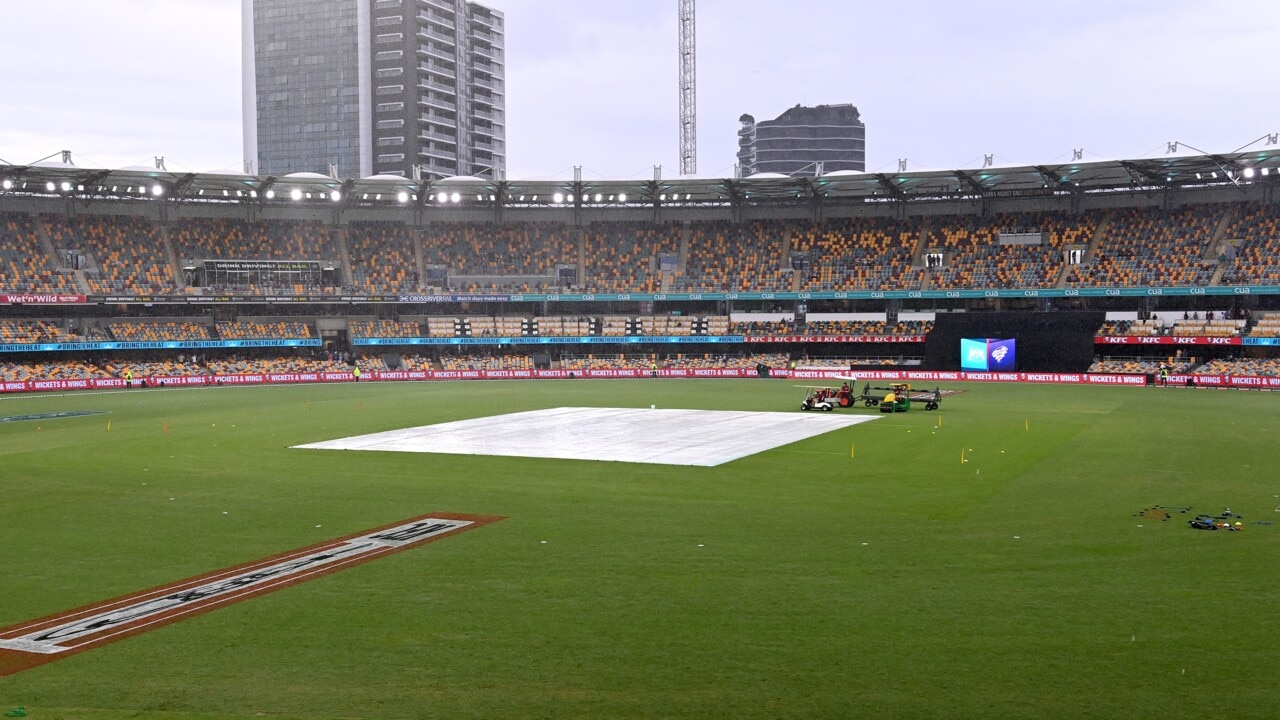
{"type": "Point", "coordinates": [512, 361]}
{"type": "Point", "coordinates": [858, 254]}
{"type": "Point", "coordinates": [904, 328]}
{"type": "Point", "coordinates": [727, 257]}
{"type": "Point", "coordinates": [626, 256]}
{"type": "Point", "coordinates": [1152, 248]}
{"type": "Point", "coordinates": [383, 258]}
{"type": "Point", "coordinates": [383, 329]}
{"type": "Point", "coordinates": [123, 255]}
{"type": "Point", "coordinates": [1140, 366]}
{"type": "Point", "coordinates": [159, 331]}
{"type": "Point", "coordinates": [25, 265]}
{"type": "Point", "coordinates": [500, 252]}
{"type": "Point", "coordinates": [1251, 250]}
{"type": "Point", "coordinates": [282, 330]}
{"type": "Point", "coordinates": [23, 332]}
{"type": "Point", "coordinates": [1266, 326]}
{"type": "Point", "coordinates": [974, 256]}
{"type": "Point", "coordinates": [1259, 367]}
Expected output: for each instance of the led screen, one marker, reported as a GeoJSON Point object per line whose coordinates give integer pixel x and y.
{"type": "Point", "coordinates": [983, 354]}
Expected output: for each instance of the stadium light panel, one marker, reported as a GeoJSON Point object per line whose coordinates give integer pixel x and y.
{"type": "Point", "coordinates": [335, 196]}
{"type": "Point", "coordinates": [157, 190]}
{"type": "Point", "coordinates": [557, 198]}
{"type": "Point", "coordinates": [493, 198]}
{"type": "Point", "coordinates": [66, 186]}
{"type": "Point", "coordinates": [50, 186]}
{"type": "Point", "coordinates": [479, 198]}
{"type": "Point", "coordinates": [599, 197]}
{"type": "Point", "coordinates": [455, 198]}
{"type": "Point", "coordinates": [8, 184]}
{"type": "Point", "coordinates": [403, 197]}
{"type": "Point", "coordinates": [296, 194]}
{"type": "Point", "coordinates": [1266, 172]}
{"type": "Point", "coordinates": [569, 197]}
{"type": "Point", "coordinates": [252, 193]}
{"type": "Point", "coordinates": [271, 194]}
{"type": "Point", "coordinates": [1248, 172]}
{"type": "Point", "coordinates": [662, 197]}
{"type": "Point", "coordinates": [622, 197]}
{"type": "Point", "coordinates": [442, 197]}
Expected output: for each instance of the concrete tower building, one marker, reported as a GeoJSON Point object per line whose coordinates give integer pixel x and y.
{"type": "Point", "coordinates": [803, 141]}
{"type": "Point", "coordinates": [364, 87]}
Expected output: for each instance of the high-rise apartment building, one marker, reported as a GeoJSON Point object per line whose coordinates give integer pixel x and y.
{"type": "Point", "coordinates": [803, 141]}
{"type": "Point", "coordinates": [374, 87]}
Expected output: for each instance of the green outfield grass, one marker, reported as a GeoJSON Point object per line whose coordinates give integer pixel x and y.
{"type": "Point", "coordinates": [864, 573]}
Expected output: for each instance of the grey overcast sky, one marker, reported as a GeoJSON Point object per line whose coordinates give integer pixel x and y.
{"type": "Point", "coordinates": [594, 83]}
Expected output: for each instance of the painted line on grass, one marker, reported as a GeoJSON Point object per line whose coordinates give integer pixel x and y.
{"type": "Point", "coordinates": [46, 639]}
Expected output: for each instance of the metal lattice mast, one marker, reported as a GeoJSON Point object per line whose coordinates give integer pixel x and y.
{"type": "Point", "coordinates": [688, 90]}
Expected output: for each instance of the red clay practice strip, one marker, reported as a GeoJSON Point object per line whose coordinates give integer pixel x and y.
{"type": "Point", "coordinates": [44, 640]}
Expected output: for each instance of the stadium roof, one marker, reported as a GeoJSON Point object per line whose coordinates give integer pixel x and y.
{"type": "Point", "coordinates": [1174, 171]}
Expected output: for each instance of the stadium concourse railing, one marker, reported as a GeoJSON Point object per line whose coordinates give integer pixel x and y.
{"type": "Point", "coordinates": [1222, 381]}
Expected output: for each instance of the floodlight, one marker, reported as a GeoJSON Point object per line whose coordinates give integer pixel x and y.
{"type": "Point", "coordinates": [1248, 172]}
{"type": "Point", "coordinates": [455, 198]}
{"type": "Point", "coordinates": [622, 197]}
{"type": "Point", "coordinates": [296, 194]}
{"type": "Point", "coordinates": [271, 194]}
{"type": "Point", "coordinates": [599, 197]}
{"type": "Point", "coordinates": [8, 184]}
{"type": "Point", "coordinates": [569, 197]}
{"type": "Point", "coordinates": [335, 196]}
{"type": "Point", "coordinates": [557, 198]}
{"type": "Point", "coordinates": [1266, 172]}
{"type": "Point", "coordinates": [662, 197]}
{"type": "Point", "coordinates": [66, 186]}
{"type": "Point", "coordinates": [479, 198]}
{"type": "Point", "coordinates": [402, 197]}
{"type": "Point", "coordinates": [443, 197]}
{"type": "Point", "coordinates": [252, 193]}
{"type": "Point", "coordinates": [80, 188]}
{"type": "Point", "coordinates": [493, 198]}
{"type": "Point", "coordinates": [157, 190]}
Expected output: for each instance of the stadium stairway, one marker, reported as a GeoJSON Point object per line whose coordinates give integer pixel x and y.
{"type": "Point", "coordinates": [42, 235]}
{"type": "Point", "coordinates": [1216, 245]}
{"type": "Point", "coordinates": [339, 237]}
{"type": "Point", "coordinates": [580, 240]}
{"type": "Point", "coordinates": [922, 240]}
{"type": "Point", "coordinates": [172, 257]}
{"type": "Point", "coordinates": [1099, 232]}
{"type": "Point", "coordinates": [682, 258]}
